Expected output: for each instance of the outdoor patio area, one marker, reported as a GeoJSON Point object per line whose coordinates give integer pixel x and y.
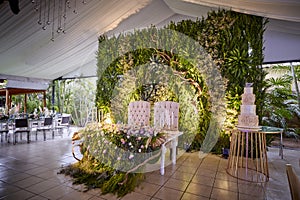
{"type": "Point", "coordinates": [29, 171]}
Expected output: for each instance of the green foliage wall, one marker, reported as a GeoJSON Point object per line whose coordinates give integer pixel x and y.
{"type": "Point", "coordinates": [233, 40]}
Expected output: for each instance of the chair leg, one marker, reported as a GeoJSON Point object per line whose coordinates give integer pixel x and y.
{"type": "Point", "coordinates": [44, 132]}
{"type": "Point", "coordinates": [52, 134]}
{"type": "Point", "coordinates": [28, 136]}
{"type": "Point", "coordinates": [7, 137]}
{"type": "Point", "coordinates": [14, 138]}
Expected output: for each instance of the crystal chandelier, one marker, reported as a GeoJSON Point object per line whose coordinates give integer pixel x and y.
{"type": "Point", "coordinates": [53, 14]}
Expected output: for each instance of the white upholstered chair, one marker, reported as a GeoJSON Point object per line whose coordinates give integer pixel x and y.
{"type": "Point", "coordinates": [139, 113]}
{"type": "Point", "coordinates": [166, 115]}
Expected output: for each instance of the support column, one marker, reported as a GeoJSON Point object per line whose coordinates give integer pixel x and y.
{"type": "Point", "coordinates": [44, 99]}
{"type": "Point", "coordinates": [7, 104]}
{"type": "Point", "coordinates": [53, 95]}
{"type": "Point", "coordinates": [25, 103]}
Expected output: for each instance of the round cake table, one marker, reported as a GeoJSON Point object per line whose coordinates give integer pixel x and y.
{"type": "Point", "coordinates": [248, 156]}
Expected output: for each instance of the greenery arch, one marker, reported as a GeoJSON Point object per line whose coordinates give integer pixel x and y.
{"type": "Point", "coordinates": [233, 40]}
{"type": "Point", "coordinates": [181, 54]}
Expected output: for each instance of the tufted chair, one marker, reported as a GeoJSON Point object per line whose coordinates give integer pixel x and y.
{"type": "Point", "coordinates": [139, 113]}
{"type": "Point", "coordinates": [166, 115]}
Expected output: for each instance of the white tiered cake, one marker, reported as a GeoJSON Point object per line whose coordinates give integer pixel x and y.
{"type": "Point", "coordinates": [248, 117]}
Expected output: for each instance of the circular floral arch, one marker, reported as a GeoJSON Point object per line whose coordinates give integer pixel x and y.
{"type": "Point", "coordinates": [164, 40]}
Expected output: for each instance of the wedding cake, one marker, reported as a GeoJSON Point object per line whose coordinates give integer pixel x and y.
{"type": "Point", "coordinates": [248, 117]}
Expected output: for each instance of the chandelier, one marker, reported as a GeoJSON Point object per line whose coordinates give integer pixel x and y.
{"type": "Point", "coordinates": [53, 14]}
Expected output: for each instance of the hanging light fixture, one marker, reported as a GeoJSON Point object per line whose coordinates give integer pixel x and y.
{"type": "Point", "coordinates": [53, 13]}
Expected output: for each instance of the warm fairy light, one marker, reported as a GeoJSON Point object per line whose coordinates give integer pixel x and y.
{"type": "Point", "coordinates": [107, 119]}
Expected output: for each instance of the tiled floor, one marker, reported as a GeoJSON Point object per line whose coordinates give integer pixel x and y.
{"type": "Point", "coordinates": [29, 171]}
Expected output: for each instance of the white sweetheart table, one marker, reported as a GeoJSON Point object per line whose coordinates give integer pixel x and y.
{"type": "Point", "coordinates": [171, 136]}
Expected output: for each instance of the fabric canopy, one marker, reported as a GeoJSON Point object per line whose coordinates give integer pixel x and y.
{"type": "Point", "coordinates": [67, 47]}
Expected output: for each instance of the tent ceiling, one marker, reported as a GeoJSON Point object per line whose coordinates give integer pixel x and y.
{"type": "Point", "coordinates": [27, 50]}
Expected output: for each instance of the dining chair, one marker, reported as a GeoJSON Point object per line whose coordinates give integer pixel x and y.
{"type": "Point", "coordinates": [47, 126]}
{"type": "Point", "coordinates": [139, 113]}
{"type": "Point", "coordinates": [21, 126]}
{"type": "Point", "coordinates": [166, 115]}
{"type": "Point", "coordinates": [294, 182]}
{"type": "Point", "coordinates": [63, 123]}
{"type": "Point", "coordinates": [4, 130]}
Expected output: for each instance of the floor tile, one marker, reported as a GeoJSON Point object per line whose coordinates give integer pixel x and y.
{"type": "Point", "coordinates": [189, 196]}
{"type": "Point", "coordinates": [136, 196]}
{"type": "Point", "coordinates": [96, 198]}
{"type": "Point", "coordinates": [32, 180]}
{"type": "Point", "coordinates": [37, 197]}
{"type": "Point", "coordinates": [225, 176]}
{"type": "Point", "coordinates": [15, 178]}
{"type": "Point", "coordinates": [199, 189]}
{"type": "Point", "coordinates": [110, 197]}
{"type": "Point", "coordinates": [226, 185]}
{"type": "Point", "coordinates": [76, 195]}
{"type": "Point", "coordinates": [7, 173]}
{"type": "Point", "coordinates": [147, 188]}
{"type": "Point", "coordinates": [56, 192]}
{"type": "Point", "coordinates": [8, 189]}
{"type": "Point", "coordinates": [41, 187]}
{"type": "Point", "coordinates": [204, 180]}
{"type": "Point", "coordinates": [156, 179]}
{"type": "Point", "coordinates": [224, 194]}
{"type": "Point", "coordinates": [206, 172]}
{"type": "Point", "coordinates": [176, 184]}
{"type": "Point", "coordinates": [252, 189]}
{"type": "Point", "coordinates": [187, 169]}
{"type": "Point", "coordinates": [19, 195]}
{"type": "Point", "coordinates": [168, 193]}
{"type": "Point", "coordinates": [182, 176]}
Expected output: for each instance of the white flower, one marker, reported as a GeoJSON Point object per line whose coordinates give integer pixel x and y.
{"type": "Point", "coordinates": [131, 156]}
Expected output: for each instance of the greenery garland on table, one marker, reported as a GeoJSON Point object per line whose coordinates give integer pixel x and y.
{"type": "Point", "coordinates": [114, 156]}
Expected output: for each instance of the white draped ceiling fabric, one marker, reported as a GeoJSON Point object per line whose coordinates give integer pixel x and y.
{"type": "Point", "coordinates": [27, 50]}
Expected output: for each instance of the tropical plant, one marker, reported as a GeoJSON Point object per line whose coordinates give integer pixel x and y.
{"type": "Point", "coordinates": [76, 97]}
{"type": "Point", "coordinates": [280, 102]}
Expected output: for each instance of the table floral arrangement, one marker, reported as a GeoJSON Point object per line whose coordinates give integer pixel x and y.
{"type": "Point", "coordinates": [114, 156]}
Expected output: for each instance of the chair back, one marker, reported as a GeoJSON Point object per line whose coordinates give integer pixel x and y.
{"type": "Point", "coordinates": [294, 182]}
{"type": "Point", "coordinates": [48, 121]}
{"type": "Point", "coordinates": [139, 113]}
{"type": "Point", "coordinates": [21, 123]}
{"type": "Point", "coordinates": [166, 115]}
{"type": "Point", "coordinates": [65, 120]}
